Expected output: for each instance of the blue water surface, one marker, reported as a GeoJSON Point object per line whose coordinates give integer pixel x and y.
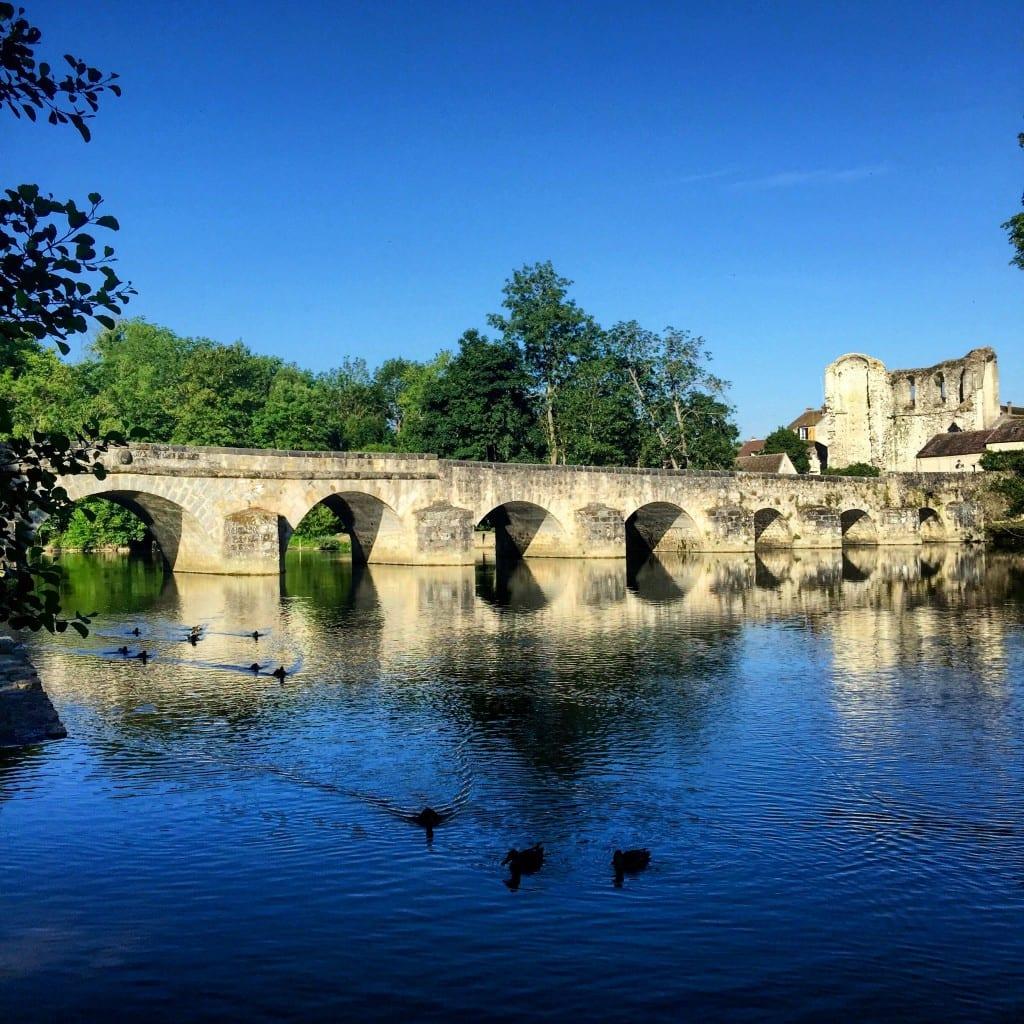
{"type": "Point", "coordinates": [825, 755]}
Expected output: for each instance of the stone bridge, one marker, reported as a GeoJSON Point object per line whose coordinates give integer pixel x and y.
{"type": "Point", "coordinates": [233, 510]}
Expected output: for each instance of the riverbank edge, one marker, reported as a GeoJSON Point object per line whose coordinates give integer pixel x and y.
{"type": "Point", "coordinates": [27, 717]}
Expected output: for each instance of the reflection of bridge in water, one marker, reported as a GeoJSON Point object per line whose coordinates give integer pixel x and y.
{"type": "Point", "coordinates": [879, 605]}
{"type": "Point", "coordinates": [232, 511]}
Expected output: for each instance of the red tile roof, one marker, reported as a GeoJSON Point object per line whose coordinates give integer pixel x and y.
{"type": "Point", "coordinates": [751, 447]}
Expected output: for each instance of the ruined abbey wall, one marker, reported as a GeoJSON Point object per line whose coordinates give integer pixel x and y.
{"type": "Point", "coordinates": [884, 417]}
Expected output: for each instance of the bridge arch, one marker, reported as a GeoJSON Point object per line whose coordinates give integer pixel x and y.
{"type": "Point", "coordinates": [771, 530]}
{"type": "Point", "coordinates": [858, 527]}
{"type": "Point", "coordinates": [930, 525]}
{"type": "Point", "coordinates": [370, 522]}
{"type": "Point", "coordinates": [522, 528]}
{"type": "Point", "coordinates": [660, 527]}
{"type": "Point", "coordinates": [165, 520]}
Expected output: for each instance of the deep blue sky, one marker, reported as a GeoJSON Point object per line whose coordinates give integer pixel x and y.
{"type": "Point", "coordinates": [791, 180]}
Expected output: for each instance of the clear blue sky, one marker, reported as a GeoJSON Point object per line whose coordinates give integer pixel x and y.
{"type": "Point", "coordinates": [791, 180]}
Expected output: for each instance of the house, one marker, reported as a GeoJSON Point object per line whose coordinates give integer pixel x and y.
{"type": "Point", "coordinates": [806, 424]}
{"type": "Point", "coordinates": [960, 451]}
{"type": "Point", "coordinates": [752, 447]}
{"type": "Point", "coordinates": [777, 463]}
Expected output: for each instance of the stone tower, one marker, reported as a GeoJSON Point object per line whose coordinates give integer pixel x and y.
{"type": "Point", "coordinates": [884, 417]}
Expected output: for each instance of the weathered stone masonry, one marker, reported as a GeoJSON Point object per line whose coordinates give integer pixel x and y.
{"type": "Point", "coordinates": [231, 510]}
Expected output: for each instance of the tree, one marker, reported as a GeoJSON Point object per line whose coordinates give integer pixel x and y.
{"type": "Point", "coordinates": [296, 414]}
{"type": "Point", "coordinates": [134, 375]}
{"type": "Point", "coordinates": [1011, 484]}
{"type": "Point", "coordinates": [480, 406]}
{"type": "Point", "coordinates": [667, 373]}
{"type": "Point", "coordinates": [52, 281]}
{"type": "Point", "coordinates": [597, 414]}
{"type": "Point", "coordinates": [554, 334]}
{"type": "Point", "coordinates": [1014, 227]}
{"type": "Point", "coordinates": [223, 389]}
{"type": "Point", "coordinates": [712, 434]}
{"type": "Point", "coordinates": [782, 439]}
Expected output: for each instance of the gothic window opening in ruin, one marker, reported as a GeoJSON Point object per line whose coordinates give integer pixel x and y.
{"type": "Point", "coordinates": [941, 381]}
{"type": "Point", "coordinates": [913, 391]}
{"type": "Point", "coordinates": [963, 386]}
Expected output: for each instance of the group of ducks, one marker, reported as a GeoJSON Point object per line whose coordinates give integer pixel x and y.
{"type": "Point", "coordinates": [193, 636]}
{"type": "Point", "coordinates": [531, 860]}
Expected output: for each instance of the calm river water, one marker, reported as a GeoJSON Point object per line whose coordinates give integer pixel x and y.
{"type": "Point", "coordinates": [825, 755]}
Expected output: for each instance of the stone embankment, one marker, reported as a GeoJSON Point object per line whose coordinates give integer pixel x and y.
{"type": "Point", "coordinates": [26, 714]}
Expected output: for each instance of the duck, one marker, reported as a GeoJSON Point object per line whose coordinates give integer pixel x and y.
{"type": "Point", "coordinates": [428, 818]}
{"type": "Point", "coordinates": [256, 634]}
{"type": "Point", "coordinates": [630, 860]}
{"type": "Point", "coordinates": [279, 673]}
{"type": "Point", "coordinates": [254, 668]}
{"type": "Point", "coordinates": [143, 656]}
{"type": "Point", "coordinates": [123, 651]}
{"type": "Point", "coordinates": [135, 632]}
{"type": "Point", "coordinates": [525, 862]}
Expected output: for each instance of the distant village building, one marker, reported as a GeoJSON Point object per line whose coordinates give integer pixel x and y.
{"type": "Point", "coordinates": [778, 463]}
{"type": "Point", "coordinates": [961, 450]}
{"type": "Point", "coordinates": [752, 447]}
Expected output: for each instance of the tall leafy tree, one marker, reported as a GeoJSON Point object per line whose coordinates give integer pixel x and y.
{"type": "Point", "coordinates": [135, 372]}
{"type": "Point", "coordinates": [782, 439]}
{"type": "Point", "coordinates": [667, 372]}
{"type": "Point", "coordinates": [296, 413]}
{"type": "Point", "coordinates": [54, 277]}
{"type": "Point", "coordinates": [597, 414]}
{"type": "Point", "coordinates": [480, 407]}
{"type": "Point", "coordinates": [554, 334]}
{"type": "Point", "coordinates": [223, 390]}
{"type": "Point", "coordinates": [1015, 227]}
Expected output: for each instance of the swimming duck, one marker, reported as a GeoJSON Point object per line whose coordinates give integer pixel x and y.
{"type": "Point", "coordinates": [143, 656]}
{"type": "Point", "coordinates": [525, 862]}
{"type": "Point", "coordinates": [256, 634]}
{"type": "Point", "coordinates": [254, 667]}
{"type": "Point", "coordinates": [428, 818]}
{"type": "Point", "coordinates": [630, 860]}
{"type": "Point", "coordinates": [123, 651]}
{"type": "Point", "coordinates": [279, 674]}
{"type": "Point", "coordinates": [134, 632]}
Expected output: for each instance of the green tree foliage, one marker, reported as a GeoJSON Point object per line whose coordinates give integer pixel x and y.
{"type": "Point", "coordinates": [93, 523]}
{"type": "Point", "coordinates": [670, 381]}
{"type": "Point", "coordinates": [554, 335]}
{"type": "Point", "coordinates": [479, 406]}
{"type": "Point", "coordinates": [1014, 227]}
{"type": "Point", "coordinates": [54, 277]}
{"type": "Point", "coordinates": [782, 439]}
{"type": "Point", "coordinates": [319, 522]}
{"type": "Point", "coordinates": [1010, 483]}
{"type": "Point", "coordinates": [712, 436]}
{"type": "Point", "coordinates": [855, 469]}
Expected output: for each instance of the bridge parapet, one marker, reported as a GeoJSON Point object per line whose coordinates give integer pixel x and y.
{"type": "Point", "coordinates": [233, 510]}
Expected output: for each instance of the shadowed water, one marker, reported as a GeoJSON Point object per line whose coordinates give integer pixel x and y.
{"type": "Point", "coordinates": [825, 755]}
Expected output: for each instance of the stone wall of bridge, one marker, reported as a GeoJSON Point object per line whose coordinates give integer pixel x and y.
{"type": "Point", "coordinates": [223, 510]}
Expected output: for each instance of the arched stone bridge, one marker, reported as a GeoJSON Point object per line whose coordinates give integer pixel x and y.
{"type": "Point", "coordinates": [233, 510]}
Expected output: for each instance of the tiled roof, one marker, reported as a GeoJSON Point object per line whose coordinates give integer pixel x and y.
{"type": "Point", "coordinates": [808, 418]}
{"type": "Point", "coordinates": [752, 447]}
{"type": "Point", "coordinates": [959, 442]}
{"type": "Point", "coordinates": [761, 463]}
{"type": "Point", "coordinates": [1005, 433]}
